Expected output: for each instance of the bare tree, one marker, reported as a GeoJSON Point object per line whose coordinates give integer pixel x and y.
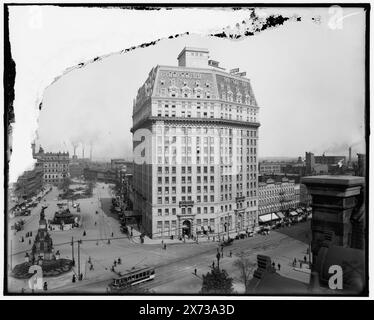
{"type": "Point", "coordinates": [246, 268]}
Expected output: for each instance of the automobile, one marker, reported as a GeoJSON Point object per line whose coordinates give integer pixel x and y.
{"type": "Point", "coordinates": [241, 235]}
{"type": "Point", "coordinates": [250, 234]}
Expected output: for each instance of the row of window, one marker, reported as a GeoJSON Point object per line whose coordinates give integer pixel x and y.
{"type": "Point", "coordinates": [212, 131]}
{"type": "Point", "coordinates": [172, 200]}
{"type": "Point", "coordinates": [185, 170]}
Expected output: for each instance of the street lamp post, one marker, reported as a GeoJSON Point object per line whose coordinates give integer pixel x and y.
{"type": "Point", "coordinates": [218, 257]}
{"type": "Point", "coordinates": [79, 262]}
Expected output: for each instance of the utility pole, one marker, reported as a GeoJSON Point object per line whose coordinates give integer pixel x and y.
{"type": "Point", "coordinates": [79, 261]}
{"type": "Point", "coordinates": [72, 250]}
{"type": "Point", "coordinates": [228, 226]}
{"type": "Point", "coordinates": [11, 255]}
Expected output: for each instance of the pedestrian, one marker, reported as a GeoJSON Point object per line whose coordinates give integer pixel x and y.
{"type": "Point", "coordinates": [279, 266]}
{"type": "Point", "coordinates": [115, 263]}
{"type": "Point", "coordinates": [112, 234]}
{"type": "Point", "coordinates": [195, 271]}
{"type": "Point", "coordinates": [214, 239]}
{"type": "Point", "coordinates": [45, 286]}
{"type": "Point", "coordinates": [74, 278]}
{"type": "Point", "coordinates": [304, 258]}
{"type": "Point", "coordinates": [29, 241]}
{"type": "Point", "coordinates": [91, 266]}
{"type": "Point", "coordinates": [230, 254]}
{"type": "Point", "coordinates": [95, 223]}
{"type": "Point", "coordinates": [301, 264]}
{"type": "Point", "coordinates": [162, 242]}
{"type": "Point", "coordinates": [119, 261]}
{"type": "Point", "coordinates": [81, 277]}
{"type": "Point", "coordinates": [108, 241]}
{"type": "Point", "coordinates": [84, 233]}
{"type": "Point", "coordinates": [213, 265]}
{"type": "Point", "coordinates": [273, 264]}
{"type": "Point", "coordinates": [164, 246]}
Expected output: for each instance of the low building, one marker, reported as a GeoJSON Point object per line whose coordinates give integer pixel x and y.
{"type": "Point", "coordinates": [100, 174]}
{"type": "Point", "coordinates": [316, 165]}
{"type": "Point", "coordinates": [29, 183]}
{"type": "Point", "coordinates": [269, 167]}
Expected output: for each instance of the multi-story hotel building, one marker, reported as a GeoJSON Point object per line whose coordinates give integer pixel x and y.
{"type": "Point", "coordinates": [277, 197]}
{"type": "Point", "coordinates": [195, 133]}
{"type": "Point", "coordinates": [55, 165]}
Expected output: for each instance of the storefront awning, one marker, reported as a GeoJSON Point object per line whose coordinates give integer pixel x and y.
{"type": "Point", "coordinates": [268, 217]}
{"type": "Point", "coordinates": [293, 213]}
{"type": "Point", "coordinates": [280, 215]}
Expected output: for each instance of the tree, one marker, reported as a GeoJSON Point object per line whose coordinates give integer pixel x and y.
{"type": "Point", "coordinates": [246, 268]}
{"type": "Point", "coordinates": [89, 189]}
{"type": "Point", "coordinates": [64, 185]}
{"type": "Point", "coordinates": [217, 281]}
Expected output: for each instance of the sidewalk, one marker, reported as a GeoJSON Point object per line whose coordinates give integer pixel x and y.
{"type": "Point", "coordinates": [166, 239]}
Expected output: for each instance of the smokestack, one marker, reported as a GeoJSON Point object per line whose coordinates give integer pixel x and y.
{"type": "Point", "coordinates": [75, 148]}
{"type": "Point", "coordinates": [91, 153]}
{"type": "Point", "coordinates": [350, 155]}
{"type": "Point", "coordinates": [33, 149]}
{"type": "Point", "coordinates": [82, 151]}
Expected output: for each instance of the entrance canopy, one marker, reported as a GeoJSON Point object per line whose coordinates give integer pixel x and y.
{"type": "Point", "coordinates": [293, 213]}
{"type": "Point", "coordinates": [280, 215]}
{"type": "Point", "coordinates": [268, 217]}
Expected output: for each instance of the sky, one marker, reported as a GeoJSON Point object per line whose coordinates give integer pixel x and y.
{"type": "Point", "coordinates": [308, 80]}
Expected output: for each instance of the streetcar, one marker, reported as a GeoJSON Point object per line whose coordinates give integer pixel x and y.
{"type": "Point", "coordinates": [132, 278]}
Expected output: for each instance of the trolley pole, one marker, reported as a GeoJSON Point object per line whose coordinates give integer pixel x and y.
{"type": "Point", "coordinates": [72, 250]}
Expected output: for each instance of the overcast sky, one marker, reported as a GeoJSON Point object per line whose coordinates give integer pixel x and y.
{"type": "Point", "coordinates": [308, 80]}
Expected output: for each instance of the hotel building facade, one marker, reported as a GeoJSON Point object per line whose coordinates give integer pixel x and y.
{"type": "Point", "coordinates": [55, 165]}
{"type": "Point", "coordinates": [195, 139]}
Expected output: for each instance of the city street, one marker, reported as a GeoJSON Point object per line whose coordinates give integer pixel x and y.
{"type": "Point", "coordinates": [174, 266]}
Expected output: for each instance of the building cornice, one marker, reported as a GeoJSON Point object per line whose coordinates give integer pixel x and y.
{"type": "Point", "coordinates": [150, 120]}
